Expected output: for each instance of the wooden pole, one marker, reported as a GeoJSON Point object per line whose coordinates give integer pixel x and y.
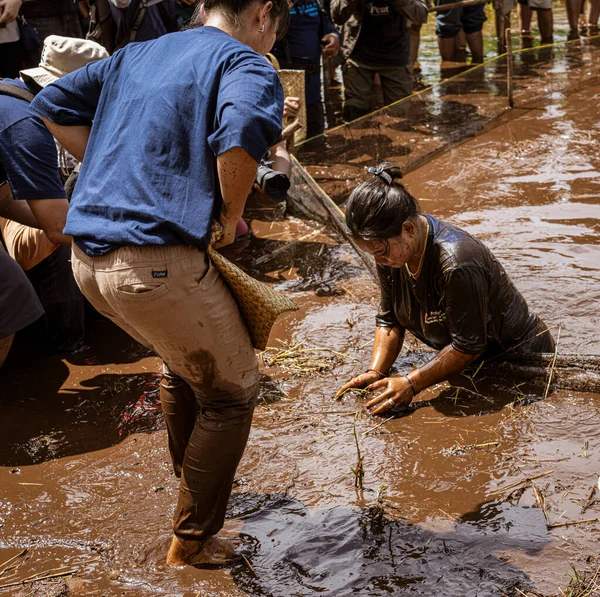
{"type": "Point", "coordinates": [443, 7]}
{"type": "Point", "coordinates": [509, 68]}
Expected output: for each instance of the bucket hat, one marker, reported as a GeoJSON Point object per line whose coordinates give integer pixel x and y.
{"type": "Point", "coordinates": [63, 55]}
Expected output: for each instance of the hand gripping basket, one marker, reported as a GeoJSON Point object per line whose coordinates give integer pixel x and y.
{"type": "Point", "coordinates": [259, 304]}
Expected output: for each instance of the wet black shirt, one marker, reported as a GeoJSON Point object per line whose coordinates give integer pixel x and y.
{"type": "Point", "coordinates": [462, 297]}
{"type": "Point", "coordinates": [384, 39]}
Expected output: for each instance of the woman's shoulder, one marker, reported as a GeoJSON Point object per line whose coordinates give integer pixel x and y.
{"type": "Point", "coordinates": [457, 248]}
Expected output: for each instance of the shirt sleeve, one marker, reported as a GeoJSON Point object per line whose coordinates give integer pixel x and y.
{"type": "Point", "coordinates": [386, 318]}
{"type": "Point", "coordinates": [249, 110]}
{"type": "Point", "coordinates": [328, 26]}
{"type": "Point", "coordinates": [466, 299]}
{"type": "Point", "coordinates": [30, 161]}
{"type": "Point", "coordinates": [72, 100]}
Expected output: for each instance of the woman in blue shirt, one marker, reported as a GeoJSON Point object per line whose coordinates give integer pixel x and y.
{"type": "Point", "coordinates": [172, 131]}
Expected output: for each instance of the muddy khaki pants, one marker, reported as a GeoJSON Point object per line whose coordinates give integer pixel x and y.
{"type": "Point", "coordinates": [173, 300]}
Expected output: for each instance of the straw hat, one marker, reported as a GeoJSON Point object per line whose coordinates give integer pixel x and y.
{"type": "Point", "coordinates": [61, 56]}
{"type": "Point", "coordinates": [259, 304]}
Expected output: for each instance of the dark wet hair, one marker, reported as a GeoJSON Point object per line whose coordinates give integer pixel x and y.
{"type": "Point", "coordinates": [232, 9]}
{"type": "Point", "coordinates": [378, 207]}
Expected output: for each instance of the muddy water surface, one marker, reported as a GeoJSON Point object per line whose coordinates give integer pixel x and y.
{"type": "Point", "coordinates": [85, 480]}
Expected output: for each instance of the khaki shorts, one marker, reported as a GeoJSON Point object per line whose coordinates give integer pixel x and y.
{"type": "Point", "coordinates": [541, 4]}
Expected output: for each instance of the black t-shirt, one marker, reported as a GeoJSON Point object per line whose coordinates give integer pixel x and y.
{"type": "Point", "coordinates": [462, 297]}
{"type": "Point", "coordinates": [35, 9]}
{"type": "Point", "coordinates": [384, 39]}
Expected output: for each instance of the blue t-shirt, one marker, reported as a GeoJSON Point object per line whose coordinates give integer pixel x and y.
{"type": "Point", "coordinates": [28, 158]}
{"type": "Point", "coordinates": [162, 112]}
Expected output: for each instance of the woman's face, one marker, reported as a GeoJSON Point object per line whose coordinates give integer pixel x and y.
{"type": "Point", "coordinates": [393, 252]}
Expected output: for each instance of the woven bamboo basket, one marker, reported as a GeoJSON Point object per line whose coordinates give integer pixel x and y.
{"type": "Point", "coordinates": [259, 304]}
{"type": "Point", "coordinates": [293, 83]}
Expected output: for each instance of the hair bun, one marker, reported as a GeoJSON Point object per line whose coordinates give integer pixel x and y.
{"type": "Point", "coordinates": [391, 169]}
{"type": "Point", "coordinates": [386, 172]}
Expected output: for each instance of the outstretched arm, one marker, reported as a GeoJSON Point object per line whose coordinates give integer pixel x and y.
{"type": "Point", "coordinates": [386, 348]}
{"type": "Point", "coordinates": [401, 390]}
{"type": "Point", "coordinates": [73, 138]}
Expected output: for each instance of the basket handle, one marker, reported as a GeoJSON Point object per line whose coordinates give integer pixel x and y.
{"type": "Point", "coordinates": [217, 233]}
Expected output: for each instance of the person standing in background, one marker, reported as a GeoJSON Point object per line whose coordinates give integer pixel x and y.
{"type": "Point", "coordinates": [12, 52]}
{"type": "Point", "coordinates": [310, 34]}
{"type": "Point", "coordinates": [543, 9]}
{"type": "Point", "coordinates": [51, 17]}
{"type": "Point", "coordinates": [456, 22]}
{"type": "Point", "coordinates": [170, 133]}
{"type": "Point", "coordinates": [376, 40]}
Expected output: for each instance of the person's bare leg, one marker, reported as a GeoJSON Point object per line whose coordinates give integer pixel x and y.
{"type": "Point", "coordinates": [502, 24]}
{"type": "Point", "coordinates": [593, 12]}
{"type": "Point", "coordinates": [573, 12]}
{"type": "Point", "coordinates": [5, 344]}
{"type": "Point", "coordinates": [415, 39]}
{"type": "Point", "coordinates": [546, 25]}
{"type": "Point", "coordinates": [475, 43]}
{"type": "Point", "coordinates": [460, 48]}
{"type": "Point", "coordinates": [446, 45]}
{"type": "Point", "coordinates": [524, 14]}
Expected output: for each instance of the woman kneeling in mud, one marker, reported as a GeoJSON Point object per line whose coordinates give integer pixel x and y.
{"type": "Point", "coordinates": [438, 282]}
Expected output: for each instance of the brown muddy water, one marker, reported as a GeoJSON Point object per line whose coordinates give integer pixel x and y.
{"type": "Point", "coordinates": [85, 478]}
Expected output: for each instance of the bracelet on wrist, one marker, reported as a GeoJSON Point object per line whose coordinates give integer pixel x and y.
{"type": "Point", "coordinates": [380, 374]}
{"type": "Point", "coordinates": [412, 387]}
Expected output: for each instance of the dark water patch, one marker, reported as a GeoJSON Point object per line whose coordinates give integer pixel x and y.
{"type": "Point", "coordinates": [297, 551]}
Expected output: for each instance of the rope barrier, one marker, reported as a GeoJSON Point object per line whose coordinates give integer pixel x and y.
{"type": "Point", "coordinates": [445, 81]}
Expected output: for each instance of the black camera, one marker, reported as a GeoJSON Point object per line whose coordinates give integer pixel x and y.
{"type": "Point", "coordinates": [274, 184]}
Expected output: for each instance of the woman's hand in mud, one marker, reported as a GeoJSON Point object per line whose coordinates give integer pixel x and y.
{"type": "Point", "coordinates": [397, 392]}
{"type": "Point", "coordinates": [360, 381]}
{"type": "Point", "coordinates": [291, 107]}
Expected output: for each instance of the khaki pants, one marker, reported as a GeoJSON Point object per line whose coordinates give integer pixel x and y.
{"type": "Point", "coordinates": [396, 83]}
{"type": "Point", "coordinates": [173, 300]}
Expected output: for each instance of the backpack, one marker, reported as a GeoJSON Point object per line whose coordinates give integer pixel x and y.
{"type": "Point", "coordinates": [103, 29]}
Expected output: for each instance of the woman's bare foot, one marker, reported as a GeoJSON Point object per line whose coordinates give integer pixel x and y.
{"type": "Point", "coordinates": [214, 551]}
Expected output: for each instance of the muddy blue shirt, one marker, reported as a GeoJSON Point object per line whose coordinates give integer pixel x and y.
{"type": "Point", "coordinates": [462, 297]}
{"type": "Point", "coordinates": [162, 112]}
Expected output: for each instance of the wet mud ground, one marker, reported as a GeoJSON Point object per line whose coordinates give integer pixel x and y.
{"type": "Point", "coordinates": [85, 478]}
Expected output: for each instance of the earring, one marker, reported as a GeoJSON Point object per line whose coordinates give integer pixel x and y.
{"type": "Point", "coordinates": [262, 29]}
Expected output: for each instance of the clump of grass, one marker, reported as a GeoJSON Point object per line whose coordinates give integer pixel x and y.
{"type": "Point", "coordinates": [300, 359]}
{"type": "Point", "coordinates": [358, 470]}
{"type": "Point", "coordinates": [582, 585]}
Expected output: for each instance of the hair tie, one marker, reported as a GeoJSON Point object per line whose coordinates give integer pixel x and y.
{"type": "Point", "coordinates": [381, 174]}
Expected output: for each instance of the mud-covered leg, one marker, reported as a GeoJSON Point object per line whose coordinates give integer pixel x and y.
{"type": "Point", "coordinates": [211, 459]}
{"type": "Point", "coordinates": [180, 408]}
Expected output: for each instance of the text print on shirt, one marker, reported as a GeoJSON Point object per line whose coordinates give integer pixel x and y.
{"type": "Point", "coordinates": [379, 11]}
{"type": "Point", "coordinates": [435, 317]}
